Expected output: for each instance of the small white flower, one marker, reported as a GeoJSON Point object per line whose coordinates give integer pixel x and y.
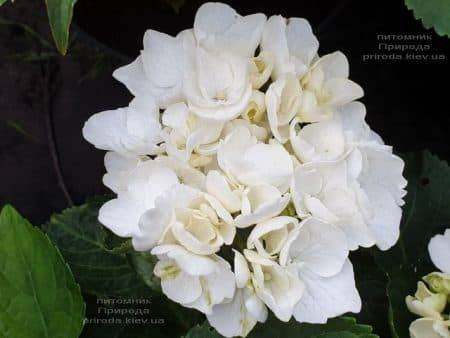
{"type": "Point", "coordinates": [438, 282]}
{"type": "Point", "coordinates": [218, 27]}
{"type": "Point", "coordinates": [252, 163]}
{"type": "Point", "coordinates": [256, 108]}
{"type": "Point", "coordinates": [143, 186]}
{"type": "Point", "coordinates": [260, 203]}
{"type": "Point", "coordinates": [429, 328]}
{"type": "Point", "coordinates": [326, 87]}
{"type": "Point", "coordinates": [238, 317]}
{"type": "Point", "coordinates": [315, 142]}
{"type": "Point", "coordinates": [118, 168]}
{"type": "Point", "coordinates": [216, 84]}
{"type": "Point", "coordinates": [134, 130]}
{"type": "Point", "coordinates": [318, 252]}
{"type": "Point", "coordinates": [187, 133]}
{"type": "Point", "coordinates": [277, 286]}
{"type": "Point", "coordinates": [269, 237]}
{"type": "Point", "coordinates": [291, 42]}
{"type": "Point", "coordinates": [159, 70]}
{"type": "Point", "coordinates": [255, 204]}
{"type": "Point", "coordinates": [188, 217]}
{"type": "Point", "coordinates": [329, 191]}
{"type": "Point", "coordinates": [198, 282]}
{"type": "Point", "coordinates": [187, 174]}
{"type": "Point", "coordinates": [426, 303]}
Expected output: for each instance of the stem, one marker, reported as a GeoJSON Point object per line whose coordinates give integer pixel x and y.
{"type": "Point", "coordinates": [51, 136]}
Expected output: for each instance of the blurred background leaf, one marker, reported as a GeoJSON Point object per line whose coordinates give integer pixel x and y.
{"type": "Point", "coordinates": [425, 214]}
{"type": "Point", "coordinates": [432, 13]}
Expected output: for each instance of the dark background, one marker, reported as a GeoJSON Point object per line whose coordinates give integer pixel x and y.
{"type": "Point", "coordinates": [45, 98]}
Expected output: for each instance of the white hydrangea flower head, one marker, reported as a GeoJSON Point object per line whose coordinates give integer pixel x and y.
{"type": "Point", "coordinates": [240, 136]}
{"type": "Point", "coordinates": [194, 281]}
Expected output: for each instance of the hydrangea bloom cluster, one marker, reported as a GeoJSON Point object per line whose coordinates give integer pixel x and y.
{"type": "Point", "coordinates": [245, 165]}
{"type": "Point", "coordinates": [432, 296]}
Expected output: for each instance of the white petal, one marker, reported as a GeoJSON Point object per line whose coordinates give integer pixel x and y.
{"type": "Point", "coordinates": [183, 288]}
{"type": "Point", "coordinates": [321, 141]}
{"type": "Point", "coordinates": [217, 186]}
{"type": "Point", "coordinates": [274, 40]}
{"type": "Point", "coordinates": [281, 293]}
{"type": "Point", "coordinates": [439, 249]}
{"type": "Point", "coordinates": [256, 308]}
{"type": "Point", "coordinates": [241, 269]}
{"type": "Point", "coordinates": [121, 215]}
{"type": "Point", "coordinates": [124, 130]}
{"type": "Point", "coordinates": [213, 18]}
{"type": "Point", "coordinates": [265, 164]}
{"type": "Point", "coordinates": [192, 264]}
{"type": "Point", "coordinates": [342, 91]}
{"type": "Point", "coordinates": [118, 168]}
{"type": "Point", "coordinates": [232, 319]}
{"type": "Point", "coordinates": [327, 297]}
{"type": "Point", "coordinates": [150, 180]}
{"type": "Point", "coordinates": [162, 59]}
{"type": "Point", "coordinates": [429, 328]}
{"type": "Point", "coordinates": [301, 40]}
{"type": "Point", "coordinates": [264, 211]}
{"type": "Point", "coordinates": [283, 99]}
{"type": "Point", "coordinates": [152, 225]}
{"type": "Point", "coordinates": [188, 175]}
{"type": "Point", "coordinates": [192, 243]}
{"type": "Point", "coordinates": [175, 116]}
{"type": "Point", "coordinates": [222, 283]}
{"type": "Point", "coordinates": [385, 223]}
{"type": "Point", "coordinates": [273, 233]}
{"type": "Point", "coordinates": [320, 247]}
{"type": "Point", "coordinates": [384, 169]}
{"type": "Point", "coordinates": [133, 77]}
{"type": "Point", "coordinates": [334, 65]}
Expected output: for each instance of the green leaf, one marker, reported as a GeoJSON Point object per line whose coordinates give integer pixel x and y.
{"type": "Point", "coordinates": [143, 264]}
{"type": "Point", "coordinates": [342, 327]}
{"type": "Point", "coordinates": [99, 260]}
{"type": "Point", "coordinates": [426, 213]}
{"type": "Point", "coordinates": [39, 296]}
{"type": "Point", "coordinates": [371, 283]}
{"type": "Point", "coordinates": [433, 13]}
{"type": "Point", "coordinates": [2, 2]}
{"type": "Point", "coordinates": [60, 14]}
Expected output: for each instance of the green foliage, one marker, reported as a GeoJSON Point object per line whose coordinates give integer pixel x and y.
{"type": "Point", "coordinates": [433, 13]}
{"type": "Point", "coordinates": [342, 327]}
{"type": "Point", "coordinates": [425, 214]}
{"type": "Point", "coordinates": [371, 283]}
{"type": "Point", "coordinates": [99, 260]}
{"type": "Point", "coordinates": [38, 294]}
{"type": "Point", "coordinates": [60, 14]}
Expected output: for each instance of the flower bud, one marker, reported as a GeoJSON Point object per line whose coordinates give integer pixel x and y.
{"type": "Point", "coordinates": [438, 282]}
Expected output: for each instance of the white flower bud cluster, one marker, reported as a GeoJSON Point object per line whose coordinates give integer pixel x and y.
{"type": "Point", "coordinates": [432, 297]}
{"type": "Point", "coordinates": [240, 136]}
